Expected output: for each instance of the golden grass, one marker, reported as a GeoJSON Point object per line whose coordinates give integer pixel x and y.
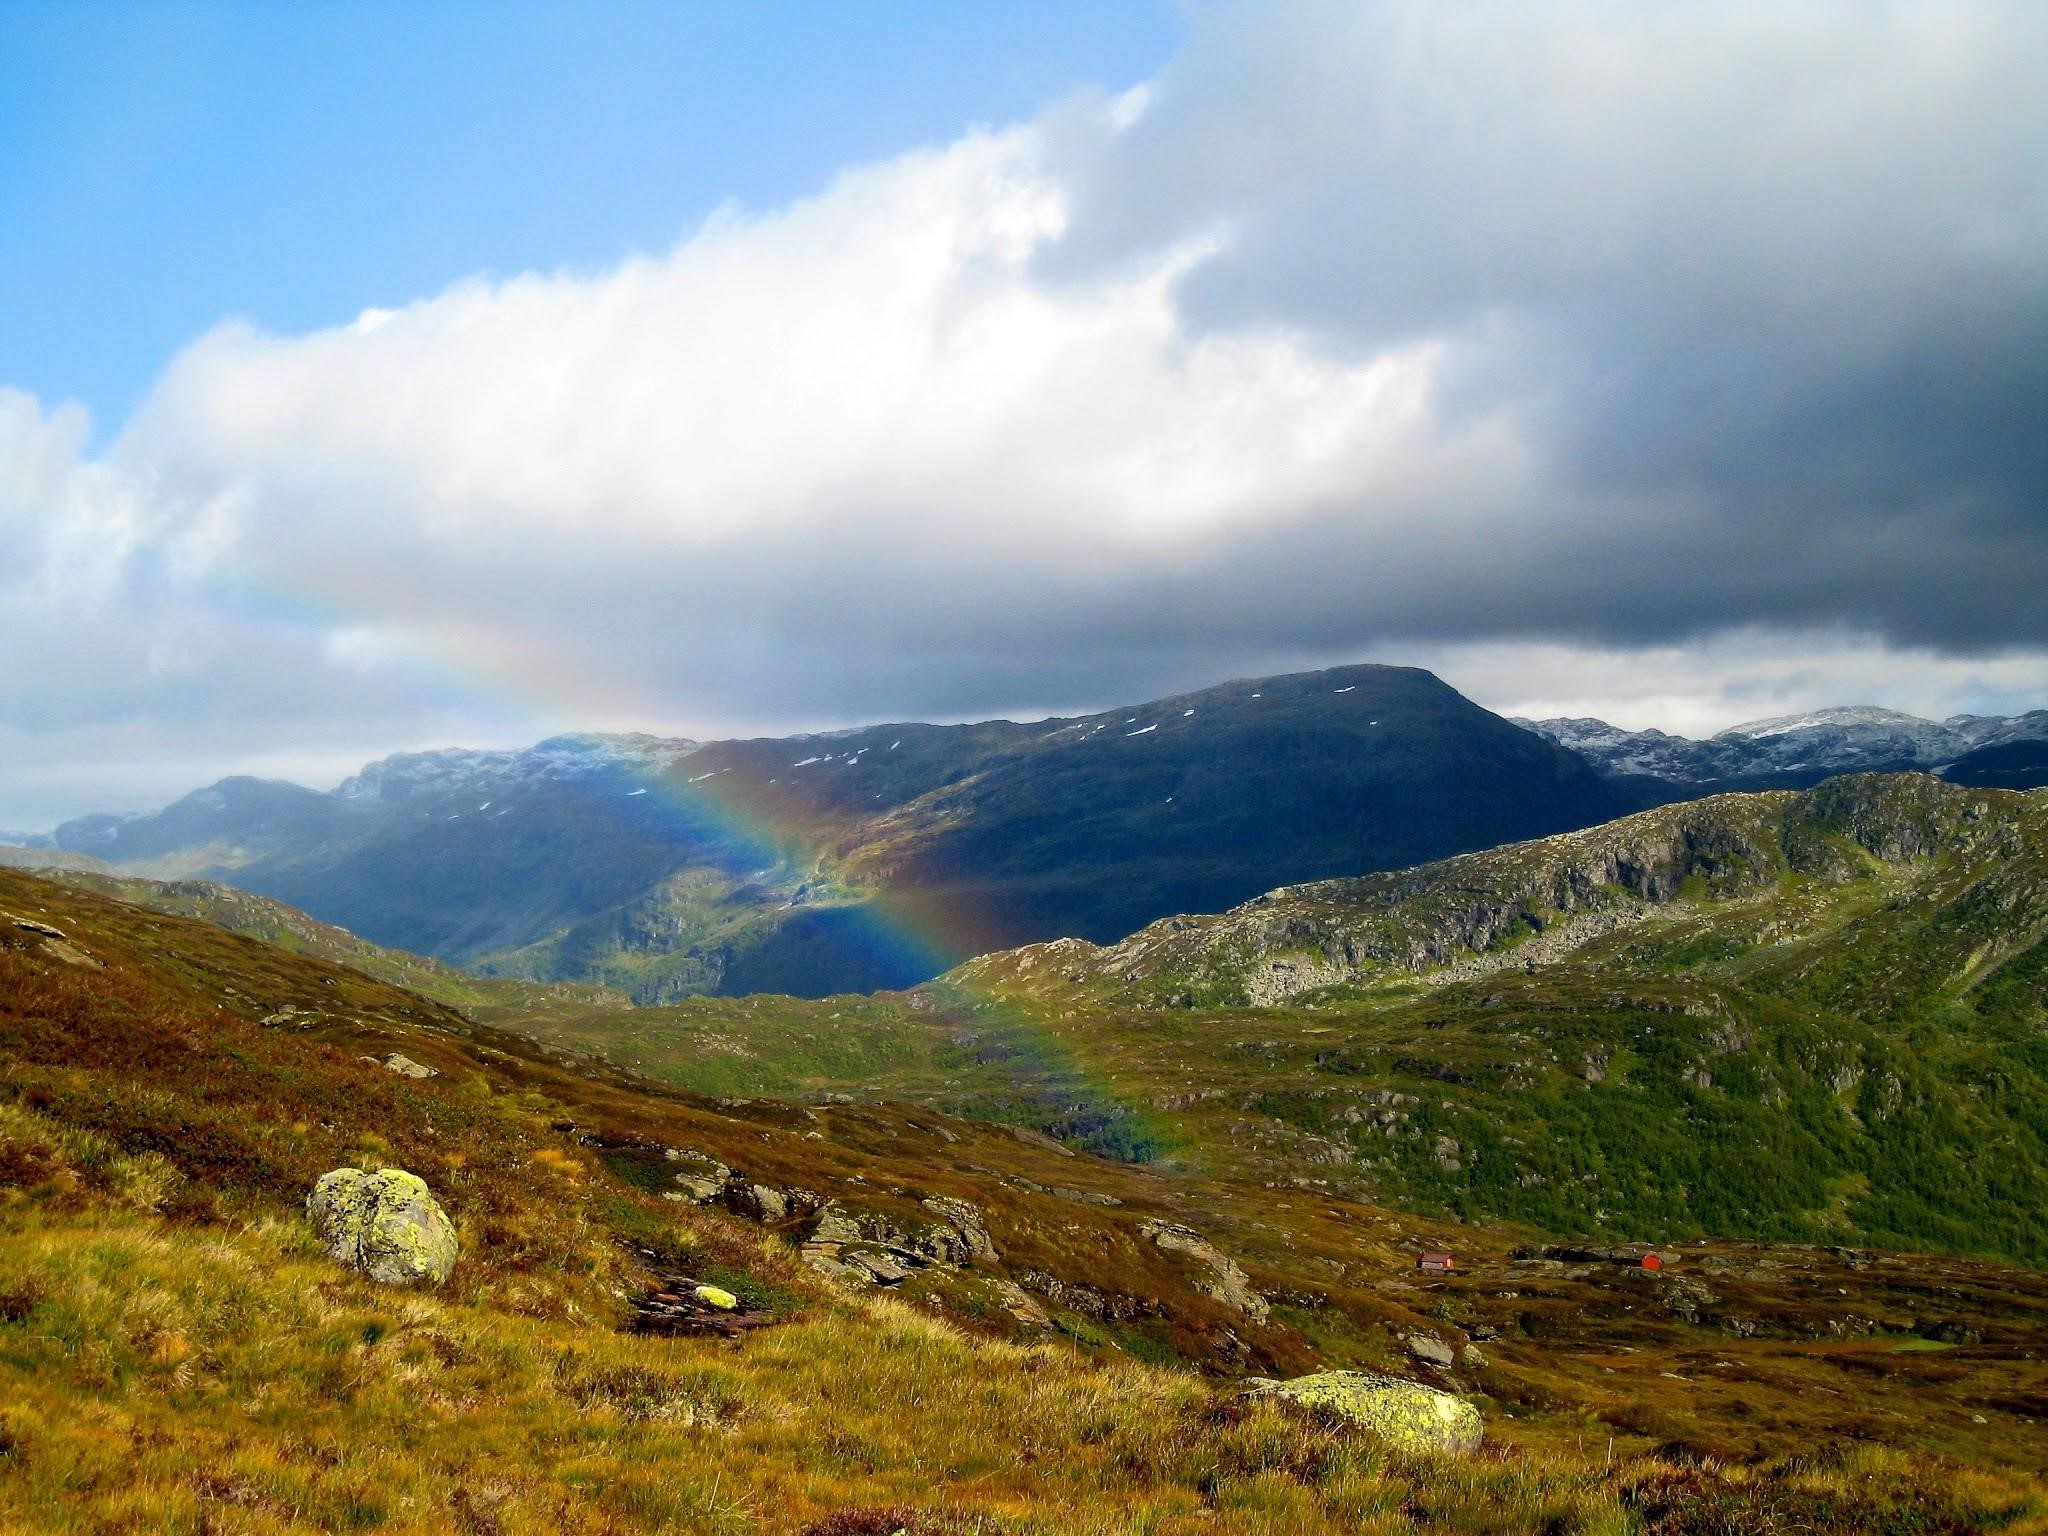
{"type": "Point", "coordinates": [163, 1379]}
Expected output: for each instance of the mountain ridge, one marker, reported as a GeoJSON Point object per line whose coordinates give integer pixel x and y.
{"type": "Point", "coordinates": [876, 856]}
{"type": "Point", "coordinates": [1782, 751]}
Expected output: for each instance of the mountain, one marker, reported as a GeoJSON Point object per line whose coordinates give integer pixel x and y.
{"type": "Point", "coordinates": [875, 857]}
{"type": "Point", "coordinates": [938, 1325]}
{"type": "Point", "coordinates": [2004, 765]}
{"type": "Point", "coordinates": [224, 826]}
{"type": "Point", "coordinates": [1811, 1015]}
{"type": "Point", "coordinates": [1785, 752]}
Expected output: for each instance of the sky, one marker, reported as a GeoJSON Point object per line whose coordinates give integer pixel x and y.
{"type": "Point", "coordinates": [376, 377]}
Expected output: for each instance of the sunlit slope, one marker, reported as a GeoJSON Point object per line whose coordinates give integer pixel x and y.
{"type": "Point", "coordinates": [175, 1356]}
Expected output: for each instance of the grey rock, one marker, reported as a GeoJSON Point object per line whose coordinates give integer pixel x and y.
{"type": "Point", "coordinates": [1431, 1350]}
{"type": "Point", "coordinates": [967, 1227]}
{"type": "Point", "coordinates": [758, 1202]}
{"type": "Point", "coordinates": [881, 1267]}
{"type": "Point", "coordinates": [1226, 1281]}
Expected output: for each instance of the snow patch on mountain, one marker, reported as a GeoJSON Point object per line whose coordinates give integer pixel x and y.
{"type": "Point", "coordinates": [405, 775]}
{"type": "Point", "coordinates": [1849, 739]}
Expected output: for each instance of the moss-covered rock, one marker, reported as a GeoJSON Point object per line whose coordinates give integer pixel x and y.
{"type": "Point", "coordinates": [387, 1224]}
{"type": "Point", "coordinates": [1405, 1414]}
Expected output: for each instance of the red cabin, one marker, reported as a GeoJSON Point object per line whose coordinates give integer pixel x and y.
{"type": "Point", "coordinates": [1438, 1262]}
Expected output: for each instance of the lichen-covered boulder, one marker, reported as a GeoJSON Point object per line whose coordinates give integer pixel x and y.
{"type": "Point", "coordinates": [386, 1224]}
{"type": "Point", "coordinates": [1405, 1414]}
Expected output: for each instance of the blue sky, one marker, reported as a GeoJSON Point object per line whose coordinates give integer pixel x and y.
{"type": "Point", "coordinates": [164, 165]}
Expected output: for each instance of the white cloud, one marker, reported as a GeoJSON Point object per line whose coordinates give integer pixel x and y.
{"type": "Point", "coordinates": [1730, 678]}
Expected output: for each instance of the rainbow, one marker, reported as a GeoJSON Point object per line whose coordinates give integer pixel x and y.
{"type": "Point", "coordinates": [922, 933]}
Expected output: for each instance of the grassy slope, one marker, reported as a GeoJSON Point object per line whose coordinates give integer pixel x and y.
{"type": "Point", "coordinates": [174, 1356]}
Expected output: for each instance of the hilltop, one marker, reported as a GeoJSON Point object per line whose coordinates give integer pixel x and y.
{"type": "Point", "coordinates": [1814, 1015]}
{"type": "Point", "coordinates": [874, 857]}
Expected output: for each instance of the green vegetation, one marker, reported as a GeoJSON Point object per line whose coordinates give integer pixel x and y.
{"type": "Point", "coordinates": [176, 1356]}
{"type": "Point", "coordinates": [1812, 1017]}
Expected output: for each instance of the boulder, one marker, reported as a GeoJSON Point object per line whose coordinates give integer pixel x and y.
{"type": "Point", "coordinates": [1226, 1282]}
{"type": "Point", "coordinates": [716, 1296]}
{"type": "Point", "coordinates": [701, 1179]}
{"type": "Point", "coordinates": [1405, 1414]}
{"type": "Point", "coordinates": [1431, 1350]}
{"type": "Point", "coordinates": [386, 1224]}
{"type": "Point", "coordinates": [836, 1225]}
{"type": "Point", "coordinates": [757, 1202]}
{"type": "Point", "coordinates": [879, 1267]}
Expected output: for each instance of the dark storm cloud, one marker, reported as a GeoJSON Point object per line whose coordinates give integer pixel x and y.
{"type": "Point", "coordinates": [1786, 267]}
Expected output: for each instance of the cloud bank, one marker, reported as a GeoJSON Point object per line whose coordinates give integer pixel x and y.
{"type": "Point", "coordinates": [1569, 349]}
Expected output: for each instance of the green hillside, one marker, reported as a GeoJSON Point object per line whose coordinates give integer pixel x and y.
{"type": "Point", "coordinates": [1816, 1016]}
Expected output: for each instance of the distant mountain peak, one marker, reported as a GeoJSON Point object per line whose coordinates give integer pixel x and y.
{"type": "Point", "coordinates": [1841, 717]}
{"type": "Point", "coordinates": [1784, 751]}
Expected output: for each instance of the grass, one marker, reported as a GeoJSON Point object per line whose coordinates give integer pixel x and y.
{"type": "Point", "coordinates": [175, 1356]}
{"type": "Point", "coordinates": [176, 1380]}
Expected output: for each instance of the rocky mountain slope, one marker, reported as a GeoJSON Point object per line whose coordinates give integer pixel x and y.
{"type": "Point", "coordinates": [874, 857]}
{"type": "Point", "coordinates": [933, 1324]}
{"type": "Point", "coordinates": [2002, 765]}
{"type": "Point", "coordinates": [1785, 752]}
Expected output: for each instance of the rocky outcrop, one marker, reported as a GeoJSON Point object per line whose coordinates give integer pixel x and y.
{"type": "Point", "coordinates": [759, 1202]}
{"type": "Point", "coordinates": [871, 1246]}
{"type": "Point", "coordinates": [404, 1066]}
{"type": "Point", "coordinates": [699, 1178]}
{"type": "Point", "coordinates": [1405, 1414]}
{"type": "Point", "coordinates": [50, 940]}
{"type": "Point", "coordinates": [1526, 905]}
{"type": "Point", "coordinates": [964, 1236]}
{"type": "Point", "coordinates": [1225, 1281]}
{"type": "Point", "coordinates": [1086, 1301]}
{"type": "Point", "coordinates": [386, 1224]}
